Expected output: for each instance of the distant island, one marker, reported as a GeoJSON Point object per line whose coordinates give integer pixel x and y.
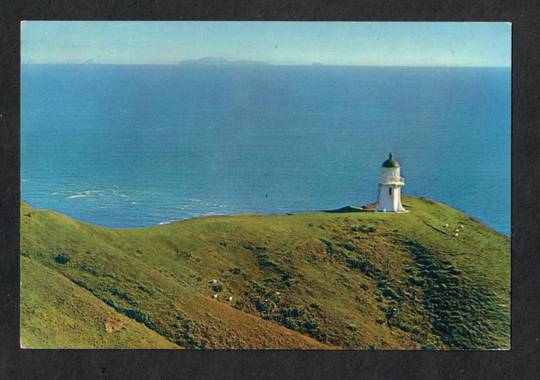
{"type": "Point", "coordinates": [215, 61]}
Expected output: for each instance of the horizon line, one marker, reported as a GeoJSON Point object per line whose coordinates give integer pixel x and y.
{"type": "Point", "coordinates": [234, 63]}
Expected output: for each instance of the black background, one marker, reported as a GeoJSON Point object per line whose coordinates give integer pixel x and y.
{"type": "Point", "coordinates": [522, 362]}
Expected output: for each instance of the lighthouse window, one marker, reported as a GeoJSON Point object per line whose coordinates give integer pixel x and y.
{"type": "Point", "coordinates": [390, 190]}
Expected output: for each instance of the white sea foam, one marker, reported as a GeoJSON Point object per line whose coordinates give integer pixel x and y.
{"type": "Point", "coordinates": [77, 196]}
{"type": "Point", "coordinates": [167, 222]}
{"type": "Point", "coordinates": [84, 194]}
{"type": "Point", "coordinates": [211, 213]}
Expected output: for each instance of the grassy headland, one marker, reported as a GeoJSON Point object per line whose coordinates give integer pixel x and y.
{"type": "Point", "coordinates": [315, 280]}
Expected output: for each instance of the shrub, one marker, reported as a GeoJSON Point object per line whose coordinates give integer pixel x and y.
{"type": "Point", "coordinates": [292, 312]}
{"type": "Point", "coordinates": [145, 289]}
{"type": "Point", "coordinates": [120, 294]}
{"type": "Point", "coordinates": [389, 313]}
{"type": "Point", "coordinates": [261, 306]}
{"type": "Point", "coordinates": [329, 246]}
{"type": "Point", "coordinates": [347, 245]}
{"type": "Point", "coordinates": [137, 315]}
{"type": "Point", "coordinates": [404, 327]}
{"type": "Point", "coordinates": [61, 259]}
{"type": "Point", "coordinates": [90, 269]}
{"type": "Point", "coordinates": [364, 228]}
{"type": "Point", "coordinates": [265, 262]}
{"type": "Point", "coordinates": [319, 335]}
{"type": "Point", "coordinates": [364, 286]}
{"type": "Point", "coordinates": [290, 323]}
{"type": "Point", "coordinates": [358, 264]}
{"type": "Point", "coordinates": [81, 283]}
{"type": "Point", "coordinates": [395, 295]}
{"type": "Point", "coordinates": [424, 261]}
{"type": "Point", "coordinates": [416, 281]}
{"type": "Point", "coordinates": [352, 326]}
{"type": "Point", "coordinates": [235, 270]}
{"type": "Point", "coordinates": [239, 304]}
{"type": "Point", "coordinates": [387, 292]}
{"type": "Point", "coordinates": [217, 288]}
{"type": "Point", "coordinates": [249, 246]}
{"type": "Point", "coordinates": [310, 324]}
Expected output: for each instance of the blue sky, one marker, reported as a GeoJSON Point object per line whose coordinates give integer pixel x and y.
{"type": "Point", "coordinates": [340, 43]}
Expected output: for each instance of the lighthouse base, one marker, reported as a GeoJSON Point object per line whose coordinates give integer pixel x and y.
{"type": "Point", "coordinates": [390, 199]}
{"type": "Point", "coordinates": [403, 211]}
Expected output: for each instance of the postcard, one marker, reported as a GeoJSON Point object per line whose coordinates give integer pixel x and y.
{"type": "Point", "coordinates": [265, 185]}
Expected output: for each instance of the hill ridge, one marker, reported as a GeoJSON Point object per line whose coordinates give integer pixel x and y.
{"type": "Point", "coordinates": [342, 280]}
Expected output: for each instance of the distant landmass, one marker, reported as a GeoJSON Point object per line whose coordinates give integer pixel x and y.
{"type": "Point", "coordinates": [219, 61]}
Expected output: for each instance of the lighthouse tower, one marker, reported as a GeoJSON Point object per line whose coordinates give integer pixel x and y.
{"type": "Point", "coordinates": [390, 184]}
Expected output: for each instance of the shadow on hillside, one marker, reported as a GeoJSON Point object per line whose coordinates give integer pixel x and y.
{"type": "Point", "coordinates": [352, 209]}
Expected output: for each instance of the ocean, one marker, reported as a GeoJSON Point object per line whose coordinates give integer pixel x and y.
{"type": "Point", "coordinates": [140, 145]}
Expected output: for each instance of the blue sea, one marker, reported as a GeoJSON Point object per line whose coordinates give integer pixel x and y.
{"type": "Point", "coordinates": [140, 145]}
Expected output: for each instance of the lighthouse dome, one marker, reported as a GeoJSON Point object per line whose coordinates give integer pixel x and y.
{"type": "Point", "coordinates": [390, 163]}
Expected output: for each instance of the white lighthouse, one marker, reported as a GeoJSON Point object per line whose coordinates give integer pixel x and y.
{"type": "Point", "coordinates": [390, 184]}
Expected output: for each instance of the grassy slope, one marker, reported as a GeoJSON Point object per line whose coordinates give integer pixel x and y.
{"type": "Point", "coordinates": [58, 313]}
{"type": "Point", "coordinates": [351, 280]}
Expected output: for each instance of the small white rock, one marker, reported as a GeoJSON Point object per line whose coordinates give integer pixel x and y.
{"type": "Point", "coordinates": [456, 234]}
{"type": "Point", "coordinates": [278, 293]}
{"type": "Point", "coordinates": [215, 296]}
{"type": "Point", "coordinates": [461, 226]}
{"type": "Point", "coordinates": [229, 299]}
{"type": "Point", "coordinates": [446, 225]}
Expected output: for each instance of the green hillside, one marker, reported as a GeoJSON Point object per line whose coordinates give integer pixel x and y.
{"type": "Point", "coordinates": [357, 280]}
{"type": "Point", "coordinates": [58, 313]}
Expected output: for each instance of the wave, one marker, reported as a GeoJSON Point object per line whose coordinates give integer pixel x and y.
{"type": "Point", "coordinates": [167, 222]}
{"type": "Point", "coordinates": [76, 196]}
{"type": "Point", "coordinates": [84, 194]}
{"type": "Point", "coordinates": [210, 213]}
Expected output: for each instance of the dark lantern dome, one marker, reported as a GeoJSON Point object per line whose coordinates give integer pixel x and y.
{"type": "Point", "coordinates": [390, 163]}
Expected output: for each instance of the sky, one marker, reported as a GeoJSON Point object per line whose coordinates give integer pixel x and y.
{"type": "Point", "coordinates": [296, 43]}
